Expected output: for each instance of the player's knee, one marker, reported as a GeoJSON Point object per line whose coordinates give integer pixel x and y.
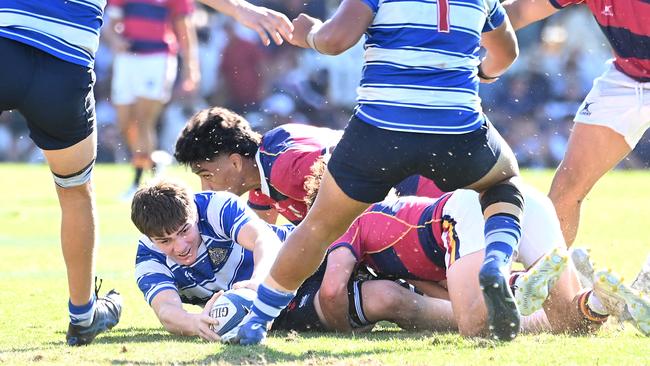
{"type": "Point", "coordinates": [77, 179]}
{"type": "Point", "coordinates": [502, 193]}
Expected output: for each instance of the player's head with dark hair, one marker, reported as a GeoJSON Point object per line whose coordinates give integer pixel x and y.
{"type": "Point", "coordinates": [312, 181]}
{"type": "Point", "coordinates": [219, 146]}
{"type": "Point", "coordinates": [166, 213]}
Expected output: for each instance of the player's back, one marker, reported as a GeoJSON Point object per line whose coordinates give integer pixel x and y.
{"type": "Point", "coordinates": [421, 58]}
{"type": "Point", "coordinates": [68, 30]}
{"type": "Point", "coordinates": [395, 238]}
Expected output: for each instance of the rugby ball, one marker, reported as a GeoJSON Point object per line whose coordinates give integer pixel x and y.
{"type": "Point", "coordinates": [230, 308]}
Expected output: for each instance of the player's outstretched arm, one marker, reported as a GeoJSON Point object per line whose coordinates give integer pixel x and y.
{"type": "Point", "coordinates": [169, 309]}
{"type": "Point", "coordinates": [266, 22]}
{"type": "Point", "coordinates": [342, 31]}
{"type": "Point", "coordinates": [525, 12]}
{"type": "Point", "coordinates": [502, 51]}
{"type": "Point", "coordinates": [333, 293]}
{"type": "Point", "coordinates": [258, 237]}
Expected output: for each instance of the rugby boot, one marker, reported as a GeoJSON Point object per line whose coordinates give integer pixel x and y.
{"type": "Point", "coordinates": [533, 286]}
{"type": "Point", "coordinates": [108, 310]}
{"type": "Point", "coordinates": [642, 281]}
{"type": "Point", "coordinates": [503, 316]}
{"type": "Point", "coordinates": [586, 274]}
{"type": "Point", "coordinates": [618, 297]}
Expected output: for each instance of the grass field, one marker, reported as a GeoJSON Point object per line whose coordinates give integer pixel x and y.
{"type": "Point", "coordinates": [33, 292]}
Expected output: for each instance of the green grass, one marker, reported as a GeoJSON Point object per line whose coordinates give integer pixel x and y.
{"type": "Point", "coordinates": [33, 291]}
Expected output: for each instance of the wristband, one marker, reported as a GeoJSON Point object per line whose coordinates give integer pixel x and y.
{"type": "Point", "coordinates": [481, 75]}
{"type": "Point", "coordinates": [310, 37]}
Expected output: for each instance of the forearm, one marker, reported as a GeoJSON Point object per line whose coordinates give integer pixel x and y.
{"type": "Point", "coordinates": [264, 255]}
{"type": "Point", "coordinates": [524, 12]}
{"type": "Point", "coordinates": [502, 50]}
{"type": "Point", "coordinates": [177, 320]}
{"type": "Point", "coordinates": [188, 45]}
{"type": "Point", "coordinates": [334, 309]}
{"type": "Point", "coordinates": [228, 7]}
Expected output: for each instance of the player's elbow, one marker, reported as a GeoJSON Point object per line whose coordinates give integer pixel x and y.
{"type": "Point", "coordinates": [333, 43]}
{"type": "Point", "coordinates": [331, 294]}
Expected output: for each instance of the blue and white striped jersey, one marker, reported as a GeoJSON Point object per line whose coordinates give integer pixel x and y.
{"type": "Point", "coordinates": [421, 59]}
{"type": "Point", "coordinates": [220, 262]}
{"type": "Point", "coordinates": [67, 29]}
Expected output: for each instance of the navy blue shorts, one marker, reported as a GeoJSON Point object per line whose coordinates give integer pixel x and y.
{"type": "Point", "coordinates": [55, 96]}
{"type": "Point", "coordinates": [369, 161]}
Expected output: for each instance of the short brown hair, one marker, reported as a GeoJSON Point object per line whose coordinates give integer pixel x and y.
{"type": "Point", "coordinates": [162, 208]}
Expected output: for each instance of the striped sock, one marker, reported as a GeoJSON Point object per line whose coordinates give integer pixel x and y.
{"type": "Point", "coordinates": [502, 234]}
{"type": "Point", "coordinates": [82, 315]}
{"type": "Point", "coordinates": [270, 302]}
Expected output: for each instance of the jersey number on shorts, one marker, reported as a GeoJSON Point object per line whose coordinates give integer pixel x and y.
{"type": "Point", "coordinates": [443, 16]}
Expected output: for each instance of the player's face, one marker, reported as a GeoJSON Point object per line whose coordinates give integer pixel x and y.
{"type": "Point", "coordinates": [220, 174]}
{"type": "Point", "coordinates": [183, 245]}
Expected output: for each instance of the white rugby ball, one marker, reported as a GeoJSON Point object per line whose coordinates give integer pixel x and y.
{"type": "Point", "coordinates": [230, 308]}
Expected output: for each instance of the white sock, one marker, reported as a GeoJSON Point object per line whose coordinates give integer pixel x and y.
{"type": "Point", "coordinates": [594, 304]}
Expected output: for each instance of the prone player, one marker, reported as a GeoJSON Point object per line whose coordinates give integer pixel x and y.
{"type": "Point", "coordinates": [441, 241]}
{"type": "Point", "coordinates": [195, 246]}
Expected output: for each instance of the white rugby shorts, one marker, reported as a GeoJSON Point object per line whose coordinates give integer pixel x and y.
{"type": "Point", "coordinates": [618, 102]}
{"type": "Point", "coordinates": [541, 231]}
{"type": "Point", "coordinates": [149, 76]}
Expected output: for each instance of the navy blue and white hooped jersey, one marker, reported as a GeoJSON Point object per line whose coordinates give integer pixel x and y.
{"type": "Point", "coordinates": [221, 261]}
{"type": "Point", "coordinates": [421, 59]}
{"type": "Point", "coordinates": [67, 29]}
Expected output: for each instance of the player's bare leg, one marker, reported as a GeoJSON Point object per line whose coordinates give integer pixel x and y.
{"type": "Point", "coordinates": [146, 113]}
{"type": "Point", "coordinates": [302, 253]}
{"type": "Point", "coordinates": [386, 300]}
{"type": "Point", "coordinates": [466, 296]}
{"type": "Point", "coordinates": [72, 168]}
{"type": "Point", "coordinates": [592, 152]}
{"type": "Point", "coordinates": [78, 231]}
{"type": "Point", "coordinates": [300, 256]}
{"type": "Point", "coordinates": [502, 204]}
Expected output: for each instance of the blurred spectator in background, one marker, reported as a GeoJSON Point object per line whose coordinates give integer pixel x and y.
{"type": "Point", "coordinates": [145, 36]}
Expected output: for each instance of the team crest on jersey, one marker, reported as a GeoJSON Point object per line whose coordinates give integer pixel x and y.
{"type": "Point", "coordinates": [217, 255]}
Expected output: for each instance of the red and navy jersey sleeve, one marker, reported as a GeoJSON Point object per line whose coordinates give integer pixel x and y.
{"type": "Point", "coordinates": [259, 201]}
{"type": "Point", "coordinates": [116, 3]}
{"type": "Point", "coordinates": [559, 4]}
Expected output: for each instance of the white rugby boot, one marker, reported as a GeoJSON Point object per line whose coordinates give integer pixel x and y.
{"type": "Point", "coordinates": [642, 281]}
{"type": "Point", "coordinates": [619, 298]}
{"type": "Point", "coordinates": [533, 286]}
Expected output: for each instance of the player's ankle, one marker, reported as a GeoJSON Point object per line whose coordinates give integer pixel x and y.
{"type": "Point", "coordinates": [270, 302]}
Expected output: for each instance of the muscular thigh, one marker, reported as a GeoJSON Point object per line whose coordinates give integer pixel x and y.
{"type": "Point", "coordinates": [476, 159]}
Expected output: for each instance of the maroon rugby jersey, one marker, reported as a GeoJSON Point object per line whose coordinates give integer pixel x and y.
{"type": "Point", "coordinates": [626, 24]}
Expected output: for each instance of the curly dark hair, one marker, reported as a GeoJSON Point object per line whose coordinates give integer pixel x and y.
{"type": "Point", "coordinates": [215, 131]}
